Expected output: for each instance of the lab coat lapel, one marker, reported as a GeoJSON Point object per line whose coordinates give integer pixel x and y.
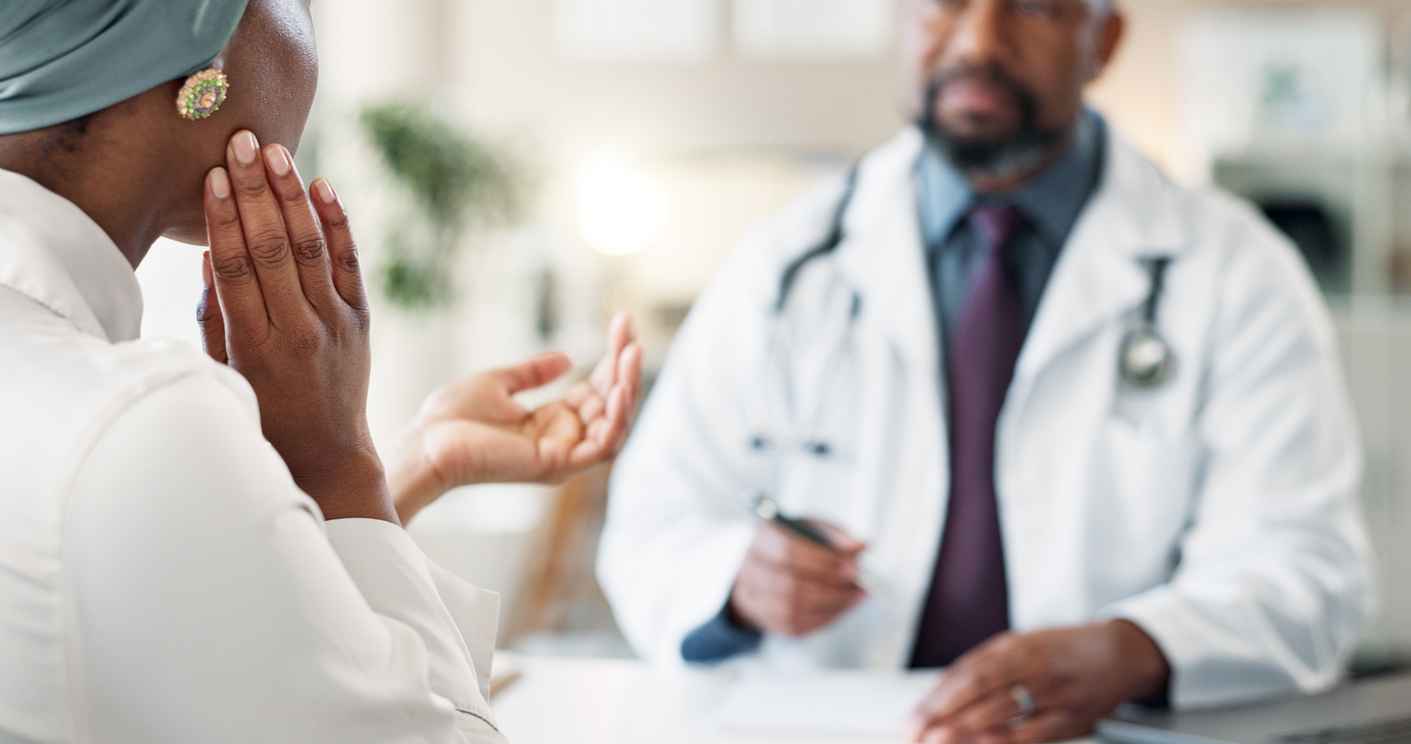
{"type": "Point", "coordinates": [883, 255]}
{"type": "Point", "coordinates": [883, 252]}
{"type": "Point", "coordinates": [1099, 277]}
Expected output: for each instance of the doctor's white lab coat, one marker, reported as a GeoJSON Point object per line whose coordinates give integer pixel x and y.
{"type": "Point", "coordinates": [1218, 512]}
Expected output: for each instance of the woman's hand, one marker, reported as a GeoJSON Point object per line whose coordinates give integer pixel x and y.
{"type": "Point", "coordinates": [474, 431]}
{"type": "Point", "coordinates": [291, 316]}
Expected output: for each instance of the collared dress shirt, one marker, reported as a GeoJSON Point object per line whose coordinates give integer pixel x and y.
{"type": "Point", "coordinates": [162, 578]}
{"type": "Point", "coordinates": [1051, 204]}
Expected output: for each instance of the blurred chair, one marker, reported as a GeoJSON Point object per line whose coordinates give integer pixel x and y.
{"type": "Point", "coordinates": [561, 609]}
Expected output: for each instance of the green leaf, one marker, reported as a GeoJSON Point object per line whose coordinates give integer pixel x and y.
{"type": "Point", "coordinates": [453, 181]}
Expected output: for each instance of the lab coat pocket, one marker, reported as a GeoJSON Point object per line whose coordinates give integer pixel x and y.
{"type": "Point", "coordinates": [1143, 493]}
{"type": "Point", "coordinates": [824, 487]}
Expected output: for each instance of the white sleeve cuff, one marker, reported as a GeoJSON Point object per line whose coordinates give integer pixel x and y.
{"type": "Point", "coordinates": [457, 622]}
{"type": "Point", "coordinates": [1211, 665]}
{"type": "Point", "coordinates": [711, 583]}
{"type": "Point", "coordinates": [477, 613]}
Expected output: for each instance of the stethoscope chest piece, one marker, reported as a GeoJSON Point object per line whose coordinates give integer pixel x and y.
{"type": "Point", "coordinates": [1147, 359]}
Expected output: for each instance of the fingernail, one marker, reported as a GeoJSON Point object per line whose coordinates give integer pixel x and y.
{"type": "Point", "coordinates": [325, 192]}
{"type": "Point", "coordinates": [245, 146]}
{"type": "Point", "coordinates": [278, 160]}
{"type": "Point", "coordinates": [220, 184]}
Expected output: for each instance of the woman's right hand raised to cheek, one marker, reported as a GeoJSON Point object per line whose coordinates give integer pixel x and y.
{"type": "Point", "coordinates": [290, 314]}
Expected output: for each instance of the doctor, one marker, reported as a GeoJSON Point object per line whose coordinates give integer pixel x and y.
{"type": "Point", "coordinates": [1075, 432]}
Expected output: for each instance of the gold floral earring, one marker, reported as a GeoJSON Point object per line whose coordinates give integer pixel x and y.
{"type": "Point", "coordinates": [203, 94]}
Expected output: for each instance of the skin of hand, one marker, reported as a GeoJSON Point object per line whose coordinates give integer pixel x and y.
{"type": "Point", "coordinates": [474, 431]}
{"type": "Point", "coordinates": [792, 587]}
{"type": "Point", "coordinates": [1076, 676]}
{"type": "Point", "coordinates": [290, 314]}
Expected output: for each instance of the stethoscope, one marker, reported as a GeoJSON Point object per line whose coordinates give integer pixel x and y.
{"type": "Point", "coordinates": [780, 403]}
{"type": "Point", "coordinates": [1146, 360]}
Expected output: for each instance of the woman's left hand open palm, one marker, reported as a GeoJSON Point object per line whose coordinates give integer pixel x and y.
{"type": "Point", "coordinates": [474, 431]}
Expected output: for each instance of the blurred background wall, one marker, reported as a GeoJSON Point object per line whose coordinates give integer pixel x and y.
{"type": "Point", "coordinates": [643, 137]}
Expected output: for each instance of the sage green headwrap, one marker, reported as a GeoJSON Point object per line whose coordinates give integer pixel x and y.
{"type": "Point", "coordinates": [64, 59]}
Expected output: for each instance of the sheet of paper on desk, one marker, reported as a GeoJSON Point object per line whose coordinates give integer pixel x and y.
{"type": "Point", "coordinates": [826, 704]}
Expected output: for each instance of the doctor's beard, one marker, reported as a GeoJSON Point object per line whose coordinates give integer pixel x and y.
{"type": "Point", "coordinates": [991, 157]}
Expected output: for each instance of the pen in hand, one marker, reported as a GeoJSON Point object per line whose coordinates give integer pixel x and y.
{"type": "Point", "coordinates": [797, 576]}
{"type": "Point", "coordinates": [769, 511]}
{"type": "Point", "coordinates": [766, 509]}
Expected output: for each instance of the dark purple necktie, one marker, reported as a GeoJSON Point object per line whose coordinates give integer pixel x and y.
{"type": "Point", "coordinates": [969, 598]}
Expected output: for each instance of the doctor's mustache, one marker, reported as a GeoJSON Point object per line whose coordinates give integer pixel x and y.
{"type": "Point", "coordinates": [998, 153]}
{"type": "Point", "coordinates": [993, 74]}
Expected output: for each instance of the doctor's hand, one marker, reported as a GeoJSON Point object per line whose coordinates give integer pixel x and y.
{"type": "Point", "coordinates": [474, 431]}
{"type": "Point", "coordinates": [285, 307]}
{"type": "Point", "coordinates": [792, 587]}
{"type": "Point", "coordinates": [1070, 679]}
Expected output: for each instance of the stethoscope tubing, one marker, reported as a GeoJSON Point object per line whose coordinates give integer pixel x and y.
{"type": "Point", "coordinates": [1132, 371]}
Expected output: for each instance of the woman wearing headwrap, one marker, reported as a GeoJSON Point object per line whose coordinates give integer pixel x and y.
{"type": "Point", "coordinates": [166, 575]}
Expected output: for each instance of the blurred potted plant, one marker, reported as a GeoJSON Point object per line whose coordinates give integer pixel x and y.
{"type": "Point", "coordinates": [451, 182]}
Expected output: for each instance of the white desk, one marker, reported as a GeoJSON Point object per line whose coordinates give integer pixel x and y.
{"type": "Point", "coordinates": [619, 702]}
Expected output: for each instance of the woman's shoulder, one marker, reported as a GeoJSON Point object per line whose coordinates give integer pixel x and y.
{"type": "Point", "coordinates": [170, 375]}
{"type": "Point", "coordinates": [156, 365]}
{"type": "Point", "coordinates": [62, 390]}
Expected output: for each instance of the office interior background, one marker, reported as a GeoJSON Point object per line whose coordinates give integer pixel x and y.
{"type": "Point", "coordinates": [519, 169]}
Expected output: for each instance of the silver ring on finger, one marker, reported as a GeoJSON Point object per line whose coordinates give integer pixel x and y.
{"type": "Point", "coordinates": [1024, 701]}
